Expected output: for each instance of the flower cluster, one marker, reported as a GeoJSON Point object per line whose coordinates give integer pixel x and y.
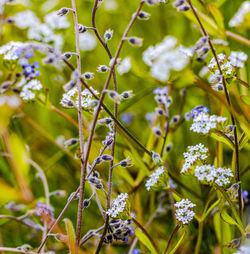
{"type": "Point", "coordinates": [227, 68]}
{"type": "Point", "coordinates": [29, 88]}
{"type": "Point", "coordinates": [237, 59]}
{"type": "Point", "coordinates": [164, 57]}
{"type": "Point", "coordinates": [70, 98]}
{"type": "Point", "coordinates": [204, 123]}
{"type": "Point", "coordinates": [118, 205]}
{"type": "Point", "coordinates": [155, 178]}
{"type": "Point", "coordinates": [122, 229]}
{"type": "Point", "coordinates": [195, 154]}
{"type": "Point", "coordinates": [209, 174]}
{"type": "Point", "coordinates": [184, 213]}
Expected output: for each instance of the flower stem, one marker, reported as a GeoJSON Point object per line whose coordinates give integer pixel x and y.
{"type": "Point", "coordinates": [228, 102]}
{"type": "Point", "coordinates": [171, 238]}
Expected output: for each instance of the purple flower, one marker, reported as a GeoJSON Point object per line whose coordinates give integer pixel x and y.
{"type": "Point", "coordinates": [28, 69]}
{"type": "Point", "coordinates": [125, 240]}
{"type": "Point", "coordinates": [132, 231]}
{"type": "Point", "coordinates": [127, 118]}
{"type": "Point", "coordinates": [136, 251]}
{"type": "Point", "coordinates": [36, 64]}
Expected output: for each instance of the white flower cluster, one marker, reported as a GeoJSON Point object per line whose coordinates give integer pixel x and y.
{"type": "Point", "coordinates": [118, 205]}
{"type": "Point", "coordinates": [183, 213]}
{"type": "Point", "coordinates": [244, 249]}
{"type": "Point", "coordinates": [70, 98]}
{"type": "Point", "coordinates": [164, 57]}
{"type": "Point", "coordinates": [240, 15]}
{"type": "Point", "coordinates": [193, 155]}
{"type": "Point", "coordinates": [29, 88]}
{"type": "Point", "coordinates": [237, 59]}
{"type": "Point", "coordinates": [9, 50]}
{"type": "Point", "coordinates": [209, 174]}
{"type": "Point", "coordinates": [204, 123]}
{"type": "Point", "coordinates": [225, 65]}
{"type": "Point", "coordinates": [42, 31]}
{"type": "Point", "coordinates": [153, 179]}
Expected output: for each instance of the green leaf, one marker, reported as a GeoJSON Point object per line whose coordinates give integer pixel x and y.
{"type": "Point", "coordinates": [144, 239]}
{"type": "Point", "coordinates": [246, 99]}
{"type": "Point", "coordinates": [228, 219]}
{"type": "Point", "coordinates": [206, 213]}
{"type": "Point", "coordinates": [71, 235]}
{"type": "Point", "coordinates": [178, 244]}
{"type": "Point", "coordinates": [217, 15]}
{"type": "Point", "coordinates": [222, 139]}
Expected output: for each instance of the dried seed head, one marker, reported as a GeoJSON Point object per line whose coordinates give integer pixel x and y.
{"type": "Point", "coordinates": [88, 75]}
{"type": "Point", "coordinates": [105, 121]}
{"type": "Point", "coordinates": [82, 28]}
{"type": "Point", "coordinates": [159, 111]}
{"type": "Point", "coordinates": [134, 41]}
{"type": "Point", "coordinates": [143, 15]}
{"type": "Point", "coordinates": [169, 147]}
{"type": "Point", "coordinates": [102, 68]}
{"type": "Point", "coordinates": [107, 157]}
{"type": "Point", "coordinates": [152, 2]}
{"type": "Point", "coordinates": [71, 84]}
{"type": "Point", "coordinates": [67, 55]}
{"type": "Point", "coordinates": [70, 142]}
{"type": "Point", "coordinates": [127, 94]}
{"type": "Point", "coordinates": [157, 131]}
{"type": "Point", "coordinates": [126, 163]}
{"type": "Point", "coordinates": [108, 35]}
{"type": "Point", "coordinates": [63, 11]}
{"type": "Point", "coordinates": [86, 203]}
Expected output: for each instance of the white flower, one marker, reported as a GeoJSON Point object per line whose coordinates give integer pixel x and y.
{"type": "Point", "coordinates": [183, 213]}
{"type": "Point", "coordinates": [208, 174]}
{"type": "Point", "coordinates": [26, 19]}
{"type": "Point", "coordinates": [55, 21]}
{"type": "Point", "coordinates": [124, 66]}
{"type": "Point", "coordinates": [153, 178]}
{"type": "Point", "coordinates": [87, 41]}
{"type": "Point", "coordinates": [164, 57]}
{"type": "Point", "coordinates": [118, 205]}
{"type": "Point", "coordinates": [203, 122]}
{"type": "Point", "coordinates": [27, 95]}
{"type": "Point", "coordinates": [239, 16]}
{"type": "Point", "coordinates": [70, 98]}
{"type": "Point", "coordinates": [193, 155]}
{"type": "Point", "coordinates": [34, 84]}
{"type": "Point", "coordinates": [9, 50]}
{"type": "Point", "coordinates": [237, 59]}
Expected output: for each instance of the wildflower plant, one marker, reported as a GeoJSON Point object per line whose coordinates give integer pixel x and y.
{"type": "Point", "coordinates": [126, 120]}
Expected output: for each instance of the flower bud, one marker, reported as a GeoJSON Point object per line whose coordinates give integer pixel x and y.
{"type": "Point", "coordinates": [63, 11]}
{"type": "Point", "coordinates": [82, 28]}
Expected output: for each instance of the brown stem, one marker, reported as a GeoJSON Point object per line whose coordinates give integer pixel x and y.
{"type": "Point", "coordinates": [79, 87]}
{"type": "Point", "coordinates": [171, 238]}
{"type": "Point", "coordinates": [229, 104]}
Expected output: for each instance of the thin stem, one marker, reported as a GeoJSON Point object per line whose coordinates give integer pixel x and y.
{"type": "Point", "coordinates": [114, 128]}
{"type": "Point", "coordinates": [57, 220]}
{"type": "Point", "coordinates": [79, 87]}
{"type": "Point", "coordinates": [92, 129]}
{"type": "Point", "coordinates": [171, 238]}
{"type": "Point", "coordinates": [19, 220]}
{"type": "Point", "coordinates": [242, 82]}
{"type": "Point", "coordinates": [229, 104]}
{"type": "Point", "coordinates": [198, 243]}
{"type": "Point", "coordinates": [110, 113]}
{"type": "Point", "coordinates": [15, 250]}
